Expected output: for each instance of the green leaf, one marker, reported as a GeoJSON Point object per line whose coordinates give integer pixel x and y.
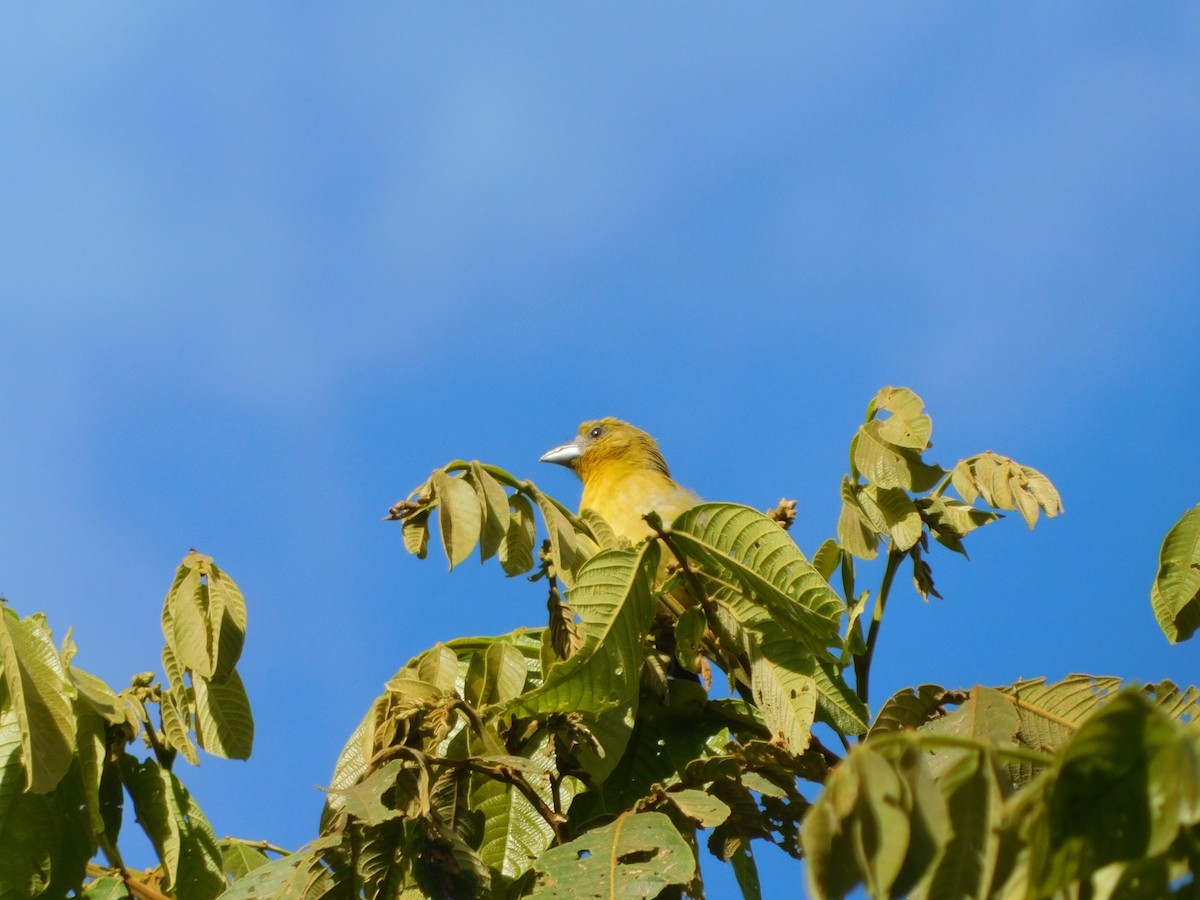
{"type": "Point", "coordinates": [637, 856]}
{"type": "Point", "coordinates": [300, 876]}
{"type": "Point", "coordinates": [106, 887]}
{"type": "Point", "coordinates": [856, 533]}
{"type": "Point", "coordinates": [975, 804]}
{"type": "Point", "coordinates": [1004, 483]}
{"type": "Point", "coordinates": [895, 511]}
{"type": "Point", "coordinates": [564, 549]}
{"type": "Point", "coordinates": [459, 515]}
{"type": "Point", "coordinates": [438, 666]}
{"type": "Point", "coordinates": [987, 715]}
{"type": "Point", "coordinates": [606, 538]}
{"type": "Point", "coordinates": [415, 532]}
{"type": "Point", "coordinates": [1175, 594]}
{"type": "Point", "coordinates": [689, 638]}
{"type": "Point", "coordinates": [28, 835]}
{"type": "Point", "coordinates": [909, 709]}
{"type": "Point", "coordinates": [98, 695]}
{"type": "Point", "coordinates": [186, 624]}
{"type": "Point", "coordinates": [880, 821]}
{"type": "Point", "coordinates": [827, 559]}
{"type": "Point", "coordinates": [516, 553]}
{"type": "Point", "coordinates": [701, 807]}
{"type": "Point", "coordinates": [174, 728]}
{"type": "Point", "coordinates": [227, 608]}
{"type": "Point", "coordinates": [742, 548]}
{"type": "Point", "coordinates": [514, 834]}
{"type": "Point", "coordinates": [908, 426]}
{"type": "Point", "coordinates": [950, 521]}
{"type": "Point", "coordinates": [493, 501]}
{"type": "Point", "coordinates": [181, 835]}
{"type": "Point", "coordinates": [224, 725]}
{"type": "Point", "coordinates": [1123, 789]}
{"type": "Point", "coordinates": [887, 465]}
{"type": "Point", "coordinates": [495, 676]}
{"type": "Point", "coordinates": [12, 773]}
{"type": "Point", "coordinates": [39, 696]}
{"type": "Point", "coordinates": [612, 597]}
{"type": "Point", "coordinates": [239, 858]}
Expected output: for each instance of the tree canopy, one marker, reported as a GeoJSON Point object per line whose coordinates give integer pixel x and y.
{"type": "Point", "coordinates": [706, 690]}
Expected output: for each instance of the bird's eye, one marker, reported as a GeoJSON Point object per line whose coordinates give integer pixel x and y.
{"type": "Point", "coordinates": [596, 432]}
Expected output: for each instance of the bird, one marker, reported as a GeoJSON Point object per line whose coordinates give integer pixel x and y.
{"type": "Point", "coordinates": [624, 476]}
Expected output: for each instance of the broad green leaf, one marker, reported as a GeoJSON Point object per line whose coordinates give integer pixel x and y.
{"type": "Point", "coordinates": [1004, 483]}
{"type": "Point", "coordinates": [689, 638]}
{"type": "Point", "coordinates": [744, 549]}
{"type": "Point", "coordinates": [28, 835]}
{"type": "Point", "coordinates": [175, 729]}
{"type": "Point", "coordinates": [1123, 788]}
{"type": "Point", "coordinates": [91, 750]}
{"type": "Point", "coordinates": [514, 834]}
{"type": "Point", "coordinates": [855, 532]}
{"type": "Point", "coordinates": [300, 876]}
{"type": "Point", "coordinates": [40, 698]}
{"type": "Point", "coordinates": [950, 521]}
{"type": "Point", "coordinates": [888, 465]}
{"type": "Point", "coordinates": [351, 763]}
{"type": "Point", "coordinates": [563, 545]}
{"type": "Point", "coordinates": [880, 822]}
{"type": "Point", "coordinates": [895, 510]}
{"type": "Point", "coordinates": [415, 532]}
{"type": "Point", "coordinates": [438, 666]}
{"type": "Point", "coordinates": [791, 686]}
{"type": "Point", "coordinates": [181, 835]}
{"type": "Point", "coordinates": [224, 725]}
{"type": "Point", "coordinates": [186, 623]}
{"type": "Point", "coordinates": [606, 538]}
{"type": "Point", "coordinates": [634, 858]}
{"type": "Point", "coordinates": [239, 857]}
{"type": "Point", "coordinates": [12, 773]}
{"type": "Point", "coordinates": [827, 558]}
{"type": "Point", "coordinates": [516, 552]}
{"type": "Point", "coordinates": [106, 887]}
{"type": "Point", "coordinates": [493, 501]}
{"type": "Point", "coordinates": [1175, 594]}
{"type": "Point", "coordinates": [908, 425]}
{"type": "Point", "coordinates": [908, 709]}
{"type": "Point", "coordinates": [459, 515]}
{"type": "Point", "coordinates": [98, 695]}
{"type": "Point", "coordinates": [986, 715]}
{"type": "Point", "coordinates": [975, 803]}
{"type": "Point", "coordinates": [495, 676]}
{"type": "Point", "coordinates": [699, 806]}
{"type": "Point", "coordinates": [745, 870]}
{"type": "Point", "coordinates": [612, 597]}
{"type": "Point", "coordinates": [228, 611]}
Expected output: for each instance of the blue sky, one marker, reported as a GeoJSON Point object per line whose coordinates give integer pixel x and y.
{"type": "Point", "coordinates": [261, 271]}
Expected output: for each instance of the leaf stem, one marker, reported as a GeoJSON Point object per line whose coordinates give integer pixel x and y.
{"type": "Point", "coordinates": [862, 664]}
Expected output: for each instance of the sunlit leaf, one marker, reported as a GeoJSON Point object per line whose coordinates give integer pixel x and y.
{"type": "Point", "coordinates": [563, 543]}
{"type": "Point", "coordinates": [856, 533]}
{"type": "Point", "coordinates": [1004, 483]}
{"type": "Point", "coordinates": [459, 515]}
{"type": "Point", "coordinates": [612, 597]}
{"type": "Point", "coordinates": [239, 858]}
{"type": "Point", "coordinates": [908, 426]}
{"type": "Point", "coordinates": [634, 858]}
{"type": "Point", "coordinates": [493, 500]}
{"type": "Point", "coordinates": [38, 695]}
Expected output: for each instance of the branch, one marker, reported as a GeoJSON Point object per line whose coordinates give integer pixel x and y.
{"type": "Point", "coordinates": [133, 885]}
{"type": "Point", "coordinates": [507, 774]}
{"type": "Point", "coordinates": [862, 664]}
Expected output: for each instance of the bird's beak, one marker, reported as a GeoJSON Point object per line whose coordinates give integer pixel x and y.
{"type": "Point", "coordinates": [563, 454]}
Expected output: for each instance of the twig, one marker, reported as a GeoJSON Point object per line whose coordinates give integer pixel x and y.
{"type": "Point", "coordinates": [135, 887]}
{"type": "Point", "coordinates": [862, 664]}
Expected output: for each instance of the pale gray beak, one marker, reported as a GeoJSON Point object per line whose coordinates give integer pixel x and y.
{"type": "Point", "coordinates": [563, 454]}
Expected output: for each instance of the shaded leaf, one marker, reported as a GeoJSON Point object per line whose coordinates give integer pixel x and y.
{"type": "Point", "coordinates": [181, 835]}
{"type": "Point", "coordinates": [224, 724]}
{"type": "Point", "coordinates": [856, 533]}
{"type": "Point", "coordinates": [239, 858]}
{"type": "Point", "coordinates": [1175, 594]}
{"type": "Point", "coordinates": [516, 552]}
{"type": "Point", "coordinates": [415, 532]}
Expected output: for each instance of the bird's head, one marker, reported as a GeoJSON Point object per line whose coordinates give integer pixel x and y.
{"type": "Point", "coordinates": [608, 443]}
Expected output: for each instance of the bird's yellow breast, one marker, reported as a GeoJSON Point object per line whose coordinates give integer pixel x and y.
{"type": "Point", "coordinates": [623, 493]}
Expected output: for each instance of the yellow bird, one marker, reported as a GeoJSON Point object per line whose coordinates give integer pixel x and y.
{"type": "Point", "coordinates": [624, 476]}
